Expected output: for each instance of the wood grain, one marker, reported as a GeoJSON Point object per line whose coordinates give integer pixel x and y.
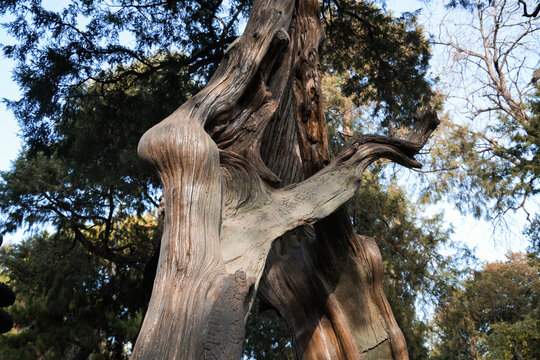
{"type": "Point", "coordinates": [253, 204]}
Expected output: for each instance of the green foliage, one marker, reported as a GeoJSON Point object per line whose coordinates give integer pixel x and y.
{"type": "Point", "coordinates": [492, 171]}
{"type": "Point", "coordinates": [494, 314]}
{"type": "Point", "coordinates": [91, 175]}
{"type": "Point", "coordinates": [267, 335]}
{"type": "Point", "coordinates": [58, 52]}
{"type": "Point", "coordinates": [70, 302]}
{"type": "Point", "coordinates": [533, 233]}
{"type": "Point", "coordinates": [383, 60]}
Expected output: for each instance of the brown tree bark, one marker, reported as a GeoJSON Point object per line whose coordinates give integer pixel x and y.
{"type": "Point", "coordinates": [248, 183]}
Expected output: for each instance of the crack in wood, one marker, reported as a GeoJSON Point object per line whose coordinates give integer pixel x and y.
{"type": "Point", "coordinates": [225, 333]}
{"type": "Point", "coordinates": [375, 346]}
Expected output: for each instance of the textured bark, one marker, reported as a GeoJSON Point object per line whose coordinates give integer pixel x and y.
{"type": "Point", "coordinates": [247, 183]}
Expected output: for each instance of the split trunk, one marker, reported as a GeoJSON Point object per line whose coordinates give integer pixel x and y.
{"type": "Point", "coordinates": [253, 207]}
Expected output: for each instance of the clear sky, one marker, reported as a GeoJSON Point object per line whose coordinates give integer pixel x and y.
{"type": "Point", "coordinates": [474, 233]}
{"type": "Point", "coordinates": [9, 142]}
{"type": "Point", "coordinates": [491, 242]}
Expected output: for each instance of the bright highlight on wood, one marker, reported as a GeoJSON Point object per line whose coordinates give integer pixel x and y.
{"type": "Point", "coordinates": [253, 202]}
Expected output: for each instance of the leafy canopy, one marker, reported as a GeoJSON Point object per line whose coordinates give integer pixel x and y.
{"type": "Point", "coordinates": [59, 52]}
{"type": "Point", "coordinates": [383, 60]}
{"type": "Point", "coordinates": [71, 304]}
{"type": "Point", "coordinates": [494, 314]}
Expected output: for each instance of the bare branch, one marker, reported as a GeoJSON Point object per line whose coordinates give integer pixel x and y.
{"type": "Point", "coordinates": [435, 170]}
{"type": "Point", "coordinates": [461, 49]}
{"type": "Point", "coordinates": [535, 12]}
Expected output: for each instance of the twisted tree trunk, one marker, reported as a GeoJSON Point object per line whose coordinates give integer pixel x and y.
{"type": "Point", "coordinates": [253, 203]}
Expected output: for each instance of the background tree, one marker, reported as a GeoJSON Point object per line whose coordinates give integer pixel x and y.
{"type": "Point", "coordinates": [494, 314]}
{"type": "Point", "coordinates": [490, 157]}
{"type": "Point", "coordinates": [382, 61]}
{"type": "Point", "coordinates": [490, 149]}
{"type": "Point", "coordinates": [72, 304]}
{"type": "Point", "coordinates": [7, 298]}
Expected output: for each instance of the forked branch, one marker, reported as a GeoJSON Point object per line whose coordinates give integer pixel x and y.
{"type": "Point", "coordinates": [317, 197]}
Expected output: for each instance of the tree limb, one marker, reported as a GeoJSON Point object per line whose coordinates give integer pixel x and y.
{"type": "Point", "coordinates": [535, 12]}
{"type": "Point", "coordinates": [315, 198]}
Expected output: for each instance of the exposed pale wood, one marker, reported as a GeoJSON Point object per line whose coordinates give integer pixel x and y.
{"type": "Point", "coordinates": [278, 211]}
{"type": "Point", "coordinates": [243, 163]}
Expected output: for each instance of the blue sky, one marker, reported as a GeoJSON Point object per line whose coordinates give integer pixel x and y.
{"type": "Point", "coordinates": [474, 233]}
{"type": "Point", "coordinates": [9, 141]}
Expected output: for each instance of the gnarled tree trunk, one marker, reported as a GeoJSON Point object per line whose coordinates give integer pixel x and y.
{"type": "Point", "coordinates": [253, 203]}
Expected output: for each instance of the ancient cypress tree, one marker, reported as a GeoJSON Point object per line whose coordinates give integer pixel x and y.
{"type": "Point", "coordinates": [253, 202]}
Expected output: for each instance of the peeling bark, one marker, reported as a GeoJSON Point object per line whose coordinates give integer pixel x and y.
{"type": "Point", "coordinates": [252, 202]}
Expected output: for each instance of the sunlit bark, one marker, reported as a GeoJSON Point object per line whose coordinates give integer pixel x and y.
{"type": "Point", "coordinates": [253, 203]}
